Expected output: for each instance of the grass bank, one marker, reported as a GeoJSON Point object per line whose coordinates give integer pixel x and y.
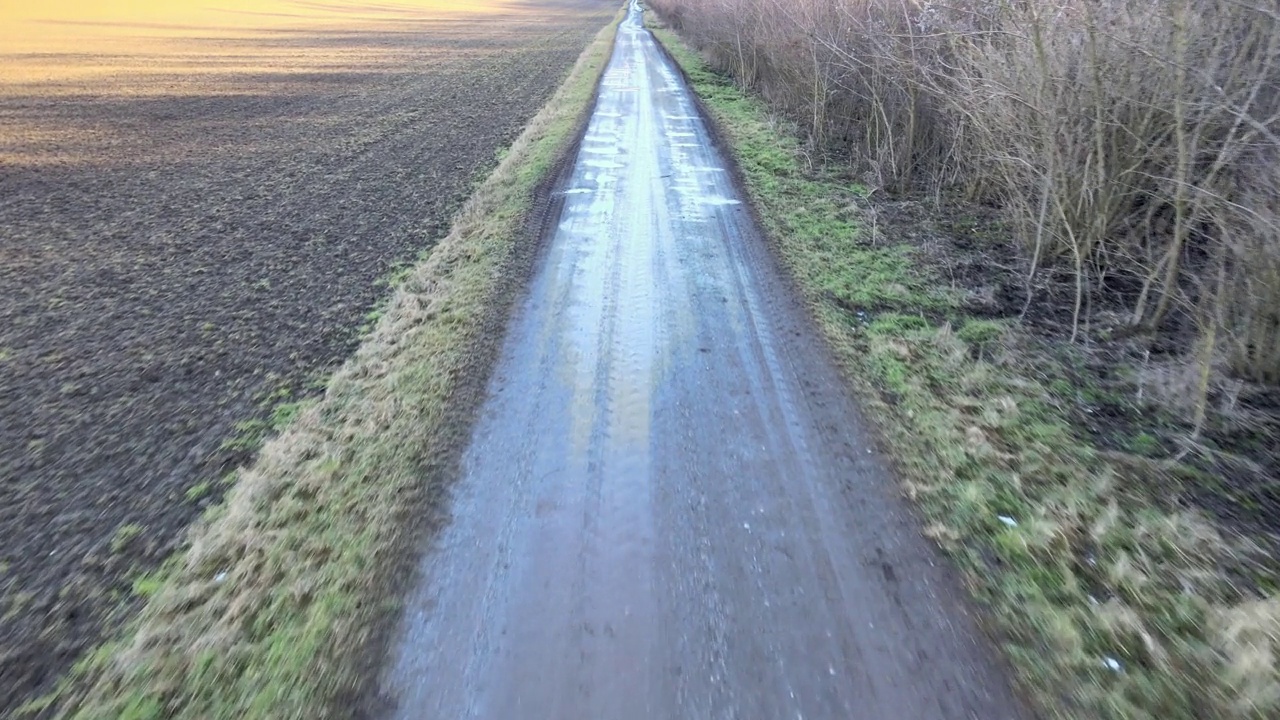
{"type": "Point", "coordinates": [279, 604]}
{"type": "Point", "coordinates": [1108, 600]}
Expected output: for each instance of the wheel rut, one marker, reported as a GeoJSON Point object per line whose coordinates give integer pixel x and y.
{"type": "Point", "coordinates": [669, 506]}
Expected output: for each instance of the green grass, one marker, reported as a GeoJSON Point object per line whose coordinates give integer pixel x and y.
{"type": "Point", "coordinates": [1145, 444]}
{"type": "Point", "coordinates": [1106, 605]}
{"type": "Point", "coordinates": [271, 608]}
{"type": "Point", "coordinates": [277, 412]}
{"type": "Point", "coordinates": [249, 435]}
{"type": "Point", "coordinates": [123, 535]}
{"type": "Point", "coordinates": [199, 491]}
{"type": "Point", "coordinates": [147, 585]}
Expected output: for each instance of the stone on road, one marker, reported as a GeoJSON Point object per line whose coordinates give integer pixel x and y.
{"type": "Point", "coordinates": [668, 508]}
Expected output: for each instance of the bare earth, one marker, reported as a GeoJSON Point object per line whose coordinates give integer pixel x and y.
{"type": "Point", "coordinates": [669, 508]}
{"type": "Point", "coordinates": [193, 233]}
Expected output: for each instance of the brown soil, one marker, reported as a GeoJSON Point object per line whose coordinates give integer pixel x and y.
{"type": "Point", "coordinates": [181, 252]}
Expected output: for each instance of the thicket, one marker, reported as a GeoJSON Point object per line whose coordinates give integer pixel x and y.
{"type": "Point", "coordinates": [1134, 145]}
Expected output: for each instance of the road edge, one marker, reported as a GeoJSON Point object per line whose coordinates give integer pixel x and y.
{"type": "Point", "coordinates": [281, 601]}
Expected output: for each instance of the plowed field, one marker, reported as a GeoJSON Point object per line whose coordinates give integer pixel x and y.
{"type": "Point", "coordinates": [193, 222]}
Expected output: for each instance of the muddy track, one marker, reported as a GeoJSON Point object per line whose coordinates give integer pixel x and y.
{"type": "Point", "coordinates": [668, 507]}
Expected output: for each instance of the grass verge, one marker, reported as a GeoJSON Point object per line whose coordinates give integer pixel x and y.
{"type": "Point", "coordinates": [277, 607]}
{"type": "Point", "coordinates": [1108, 601]}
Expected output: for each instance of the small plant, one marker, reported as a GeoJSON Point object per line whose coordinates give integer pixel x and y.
{"type": "Point", "coordinates": [123, 535]}
{"type": "Point", "coordinates": [895, 324]}
{"type": "Point", "coordinates": [146, 585]}
{"type": "Point", "coordinates": [18, 603]}
{"type": "Point", "coordinates": [284, 414]}
{"type": "Point", "coordinates": [399, 275]}
{"type": "Point", "coordinates": [248, 436]}
{"type": "Point", "coordinates": [981, 333]}
{"type": "Point", "coordinates": [372, 318]}
{"type": "Point", "coordinates": [1144, 444]}
{"type": "Point", "coordinates": [399, 272]}
{"type": "Point", "coordinates": [274, 397]}
{"type": "Point", "coordinates": [198, 491]}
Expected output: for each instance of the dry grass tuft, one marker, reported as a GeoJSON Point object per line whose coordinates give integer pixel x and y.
{"type": "Point", "coordinates": [1248, 636]}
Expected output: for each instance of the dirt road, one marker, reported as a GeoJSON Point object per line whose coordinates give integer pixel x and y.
{"type": "Point", "coordinates": [668, 508]}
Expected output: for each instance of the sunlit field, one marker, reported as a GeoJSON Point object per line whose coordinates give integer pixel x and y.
{"type": "Point", "coordinates": [197, 202]}
{"type": "Point", "coordinates": [155, 48]}
{"type": "Point", "coordinates": [61, 39]}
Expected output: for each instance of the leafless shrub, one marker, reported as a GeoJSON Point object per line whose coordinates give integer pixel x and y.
{"type": "Point", "coordinates": [1133, 142]}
